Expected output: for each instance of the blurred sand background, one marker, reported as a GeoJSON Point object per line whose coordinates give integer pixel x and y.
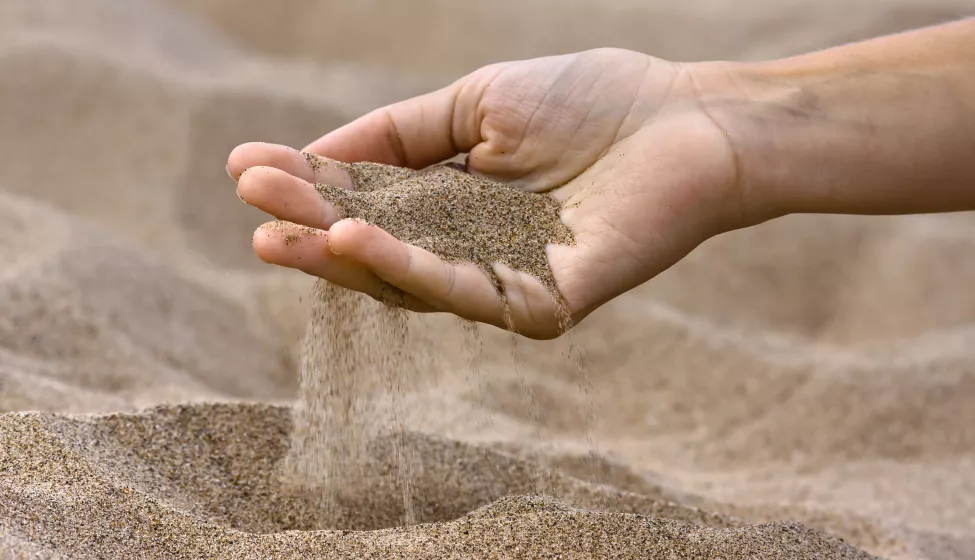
{"type": "Point", "coordinates": [817, 368]}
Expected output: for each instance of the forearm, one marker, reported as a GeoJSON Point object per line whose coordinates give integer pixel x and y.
{"type": "Point", "coordinates": [885, 126]}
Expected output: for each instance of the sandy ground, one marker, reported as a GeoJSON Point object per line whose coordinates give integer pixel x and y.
{"type": "Point", "coordinates": [807, 379]}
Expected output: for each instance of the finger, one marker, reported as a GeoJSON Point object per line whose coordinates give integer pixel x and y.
{"type": "Point", "coordinates": [459, 289]}
{"type": "Point", "coordinates": [414, 133]}
{"type": "Point", "coordinates": [307, 250]}
{"type": "Point", "coordinates": [529, 302]}
{"type": "Point", "coordinates": [287, 159]}
{"type": "Point", "coordinates": [286, 197]}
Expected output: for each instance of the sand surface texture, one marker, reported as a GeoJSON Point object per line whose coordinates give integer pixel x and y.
{"type": "Point", "coordinates": [804, 389]}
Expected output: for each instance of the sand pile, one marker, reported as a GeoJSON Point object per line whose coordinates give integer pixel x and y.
{"type": "Point", "coordinates": [782, 388]}
{"type": "Point", "coordinates": [198, 481]}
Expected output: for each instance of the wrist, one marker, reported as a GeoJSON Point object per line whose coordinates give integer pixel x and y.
{"type": "Point", "coordinates": [757, 115]}
{"type": "Point", "coordinates": [847, 130]}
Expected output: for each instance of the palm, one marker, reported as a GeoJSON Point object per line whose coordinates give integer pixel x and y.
{"type": "Point", "coordinates": [632, 162]}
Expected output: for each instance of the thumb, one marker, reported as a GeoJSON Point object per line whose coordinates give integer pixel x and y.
{"type": "Point", "coordinates": [413, 133]}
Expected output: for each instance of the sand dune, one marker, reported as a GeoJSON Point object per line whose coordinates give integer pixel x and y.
{"type": "Point", "coordinates": [783, 387]}
{"type": "Point", "coordinates": [460, 37]}
{"type": "Point", "coordinates": [93, 323]}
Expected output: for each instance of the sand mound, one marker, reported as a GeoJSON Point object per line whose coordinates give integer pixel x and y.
{"type": "Point", "coordinates": [202, 479]}
{"type": "Point", "coordinates": [808, 379]}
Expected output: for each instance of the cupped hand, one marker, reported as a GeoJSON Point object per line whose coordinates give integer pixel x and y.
{"type": "Point", "coordinates": [620, 138]}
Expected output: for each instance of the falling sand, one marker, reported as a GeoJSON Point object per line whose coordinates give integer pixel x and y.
{"type": "Point", "coordinates": [358, 356]}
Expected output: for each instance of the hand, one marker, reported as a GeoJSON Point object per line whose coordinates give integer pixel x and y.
{"type": "Point", "coordinates": [644, 174]}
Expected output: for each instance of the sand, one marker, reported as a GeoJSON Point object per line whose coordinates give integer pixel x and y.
{"type": "Point", "coordinates": [358, 358]}
{"type": "Point", "coordinates": [456, 215]}
{"type": "Point", "coordinates": [783, 388]}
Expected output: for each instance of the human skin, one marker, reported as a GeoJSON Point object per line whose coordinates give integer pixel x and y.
{"type": "Point", "coordinates": [649, 157]}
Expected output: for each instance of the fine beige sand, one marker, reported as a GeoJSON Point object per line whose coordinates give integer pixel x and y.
{"type": "Point", "coordinates": [804, 389]}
